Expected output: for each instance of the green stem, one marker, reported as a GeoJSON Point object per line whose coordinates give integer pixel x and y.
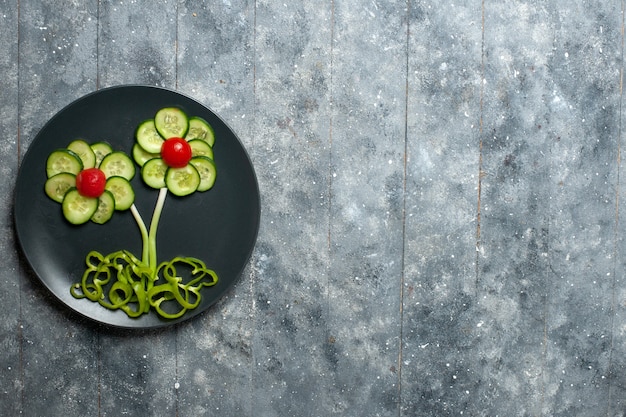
{"type": "Point", "coordinates": [154, 224]}
{"type": "Point", "coordinates": [144, 233]}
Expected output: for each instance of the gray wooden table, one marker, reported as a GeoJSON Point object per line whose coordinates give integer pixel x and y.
{"type": "Point", "coordinates": [442, 222]}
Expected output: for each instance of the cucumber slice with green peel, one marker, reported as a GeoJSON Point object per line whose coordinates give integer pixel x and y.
{"type": "Point", "coordinates": [84, 151]}
{"type": "Point", "coordinates": [78, 209]}
{"type": "Point", "coordinates": [153, 173]}
{"type": "Point", "coordinates": [182, 181]}
{"type": "Point", "coordinates": [63, 160]}
{"type": "Point", "coordinates": [148, 137]}
{"type": "Point", "coordinates": [59, 184]}
{"type": "Point", "coordinates": [122, 192]}
{"type": "Point", "coordinates": [118, 164]}
{"type": "Point", "coordinates": [106, 208]}
{"type": "Point", "coordinates": [141, 156]}
{"type": "Point", "coordinates": [101, 149]}
{"type": "Point", "coordinates": [171, 122]}
{"type": "Point", "coordinates": [200, 148]}
{"type": "Point", "coordinates": [200, 129]}
{"type": "Point", "coordinates": [206, 168]}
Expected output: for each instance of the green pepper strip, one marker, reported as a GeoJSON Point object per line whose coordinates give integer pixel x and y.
{"type": "Point", "coordinates": [134, 291]}
{"type": "Point", "coordinates": [186, 295]}
{"type": "Point", "coordinates": [92, 282]}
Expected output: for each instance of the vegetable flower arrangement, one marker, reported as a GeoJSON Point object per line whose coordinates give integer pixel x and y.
{"type": "Point", "coordinates": [91, 182]}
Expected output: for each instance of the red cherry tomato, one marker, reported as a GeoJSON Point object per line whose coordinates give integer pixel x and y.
{"type": "Point", "coordinates": [90, 182]}
{"type": "Point", "coordinates": [176, 152]}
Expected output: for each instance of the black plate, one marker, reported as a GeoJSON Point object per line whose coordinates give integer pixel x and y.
{"type": "Point", "coordinates": [219, 226]}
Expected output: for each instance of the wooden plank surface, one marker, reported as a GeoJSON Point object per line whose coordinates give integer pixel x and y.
{"type": "Point", "coordinates": [56, 65]}
{"type": "Point", "coordinates": [366, 217]}
{"type": "Point", "coordinates": [585, 128]}
{"type": "Point", "coordinates": [215, 66]}
{"type": "Point", "coordinates": [292, 153]}
{"type": "Point", "coordinates": [137, 370]}
{"type": "Point", "coordinates": [10, 326]}
{"type": "Point", "coordinates": [441, 216]}
{"type": "Point", "coordinates": [441, 208]}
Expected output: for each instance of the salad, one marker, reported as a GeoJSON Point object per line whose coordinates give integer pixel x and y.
{"type": "Point", "coordinates": [174, 154]}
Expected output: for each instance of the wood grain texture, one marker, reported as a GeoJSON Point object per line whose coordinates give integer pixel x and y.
{"type": "Point", "coordinates": [439, 360]}
{"type": "Point", "coordinates": [137, 372]}
{"type": "Point", "coordinates": [56, 65]}
{"type": "Point", "coordinates": [215, 65]}
{"type": "Point", "coordinates": [441, 194]}
{"type": "Point", "coordinates": [10, 331]}
{"type": "Point", "coordinates": [292, 154]}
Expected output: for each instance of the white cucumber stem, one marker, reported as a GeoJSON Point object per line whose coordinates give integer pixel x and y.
{"type": "Point", "coordinates": [144, 233]}
{"type": "Point", "coordinates": [154, 224]}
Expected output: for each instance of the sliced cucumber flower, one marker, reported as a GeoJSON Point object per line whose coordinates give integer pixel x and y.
{"type": "Point", "coordinates": [175, 152]}
{"type": "Point", "coordinates": [90, 181]}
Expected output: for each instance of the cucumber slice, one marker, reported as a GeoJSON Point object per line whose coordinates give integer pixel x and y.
{"type": "Point", "coordinates": [148, 137]}
{"type": "Point", "coordinates": [122, 192]}
{"type": "Point", "coordinates": [84, 151]}
{"type": "Point", "coordinates": [63, 160]}
{"type": "Point", "coordinates": [101, 149]}
{"type": "Point", "coordinates": [200, 148]}
{"type": "Point", "coordinates": [171, 122]}
{"type": "Point", "coordinates": [78, 209]}
{"type": "Point", "coordinates": [153, 173]}
{"type": "Point", "coordinates": [118, 164]}
{"type": "Point", "coordinates": [200, 129]}
{"type": "Point", "coordinates": [182, 181]}
{"type": "Point", "coordinates": [59, 184]}
{"type": "Point", "coordinates": [141, 156]}
{"type": "Point", "coordinates": [106, 208]}
{"type": "Point", "coordinates": [206, 169]}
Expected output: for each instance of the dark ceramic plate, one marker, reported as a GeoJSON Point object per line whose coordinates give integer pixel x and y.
{"type": "Point", "coordinates": [219, 226]}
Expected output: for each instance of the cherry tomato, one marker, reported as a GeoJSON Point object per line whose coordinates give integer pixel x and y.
{"type": "Point", "coordinates": [90, 182]}
{"type": "Point", "coordinates": [176, 152]}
